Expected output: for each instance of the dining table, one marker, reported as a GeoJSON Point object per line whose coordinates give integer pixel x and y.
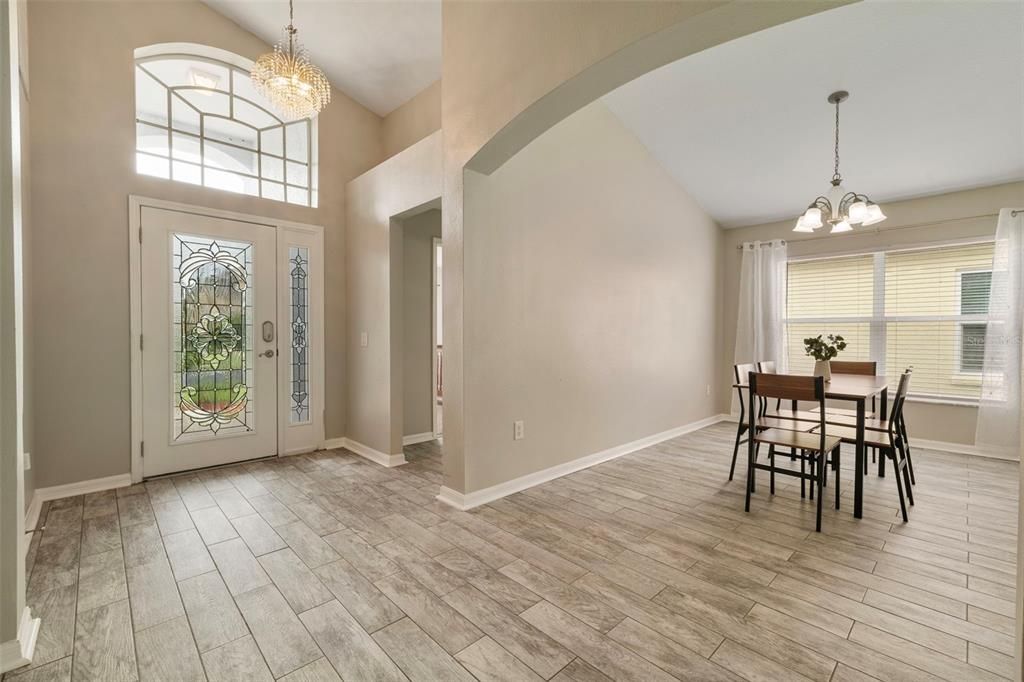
{"type": "Point", "coordinates": [857, 389]}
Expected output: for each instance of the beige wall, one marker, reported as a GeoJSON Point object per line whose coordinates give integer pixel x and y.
{"type": "Point", "coordinates": [916, 222]}
{"type": "Point", "coordinates": [418, 233]}
{"type": "Point", "coordinates": [592, 315]}
{"type": "Point", "coordinates": [511, 70]}
{"type": "Point", "coordinates": [82, 173]}
{"type": "Point", "coordinates": [377, 201]}
{"type": "Point", "coordinates": [412, 121]}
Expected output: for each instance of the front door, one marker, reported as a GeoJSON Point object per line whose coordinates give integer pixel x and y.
{"type": "Point", "coordinates": [209, 340]}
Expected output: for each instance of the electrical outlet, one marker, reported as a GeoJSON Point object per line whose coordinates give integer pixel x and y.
{"type": "Point", "coordinates": [28, 461]}
{"type": "Point", "coordinates": [364, 339]}
{"type": "Point", "coordinates": [708, 390]}
{"type": "Point", "coordinates": [518, 430]}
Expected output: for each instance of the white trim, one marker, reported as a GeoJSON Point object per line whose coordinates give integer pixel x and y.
{"type": "Point", "coordinates": [414, 438]}
{"type": "Point", "coordinates": [466, 501]}
{"type": "Point", "coordinates": [16, 653]}
{"type": "Point", "coordinates": [93, 485]}
{"type": "Point", "coordinates": [32, 513]}
{"type": "Point", "coordinates": [434, 310]}
{"type": "Point", "coordinates": [375, 456]}
{"type": "Point", "coordinates": [135, 206]}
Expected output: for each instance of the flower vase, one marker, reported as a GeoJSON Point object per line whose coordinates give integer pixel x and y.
{"type": "Point", "coordinates": [822, 368]}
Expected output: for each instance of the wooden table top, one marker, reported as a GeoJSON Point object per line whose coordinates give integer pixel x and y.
{"type": "Point", "coordinates": [849, 386]}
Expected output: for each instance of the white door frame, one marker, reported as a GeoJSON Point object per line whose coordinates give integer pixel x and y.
{"type": "Point", "coordinates": [434, 307]}
{"type": "Point", "coordinates": [135, 205]}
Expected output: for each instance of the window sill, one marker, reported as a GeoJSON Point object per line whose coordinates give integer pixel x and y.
{"type": "Point", "coordinates": [937, 400]}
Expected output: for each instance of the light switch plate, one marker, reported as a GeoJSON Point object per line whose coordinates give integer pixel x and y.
{"type": "Point", "coordinates": [364, 339]}
{"type": "Point", "coordinates": [518, 430]}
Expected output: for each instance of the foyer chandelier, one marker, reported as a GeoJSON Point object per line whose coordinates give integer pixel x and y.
{"type": "Point", "coordinates": [838, 207]}
{"type": "Point", "coordinates": [296, 87]}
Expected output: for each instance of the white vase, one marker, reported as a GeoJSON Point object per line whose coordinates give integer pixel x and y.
{"type": "Point", "coordinates": [822, 368]}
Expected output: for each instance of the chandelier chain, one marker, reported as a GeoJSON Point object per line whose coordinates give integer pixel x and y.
{"type": "Point", "coordinates": [835, 174]}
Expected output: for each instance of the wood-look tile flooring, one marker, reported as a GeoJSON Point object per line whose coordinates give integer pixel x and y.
{"type": "Point", "coordinates": [646, 568]}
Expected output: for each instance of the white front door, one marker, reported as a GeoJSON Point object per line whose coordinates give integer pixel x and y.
{"type": "Point", "coordinates": [209, 340]}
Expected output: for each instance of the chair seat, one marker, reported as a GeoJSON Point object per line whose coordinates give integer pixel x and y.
{"type": "Point", "coordinates": [848, 434]}
{"type": "Point", "coordinates": [844, 412]}
{"type": "Point", "coordinates": [785, 424]}
{"type": "Point", "coordinates": [801, 440]}
{"type": "Point", "coordinates": [797, 415]}
{"type": "Point", "coordinates": [871, 424]}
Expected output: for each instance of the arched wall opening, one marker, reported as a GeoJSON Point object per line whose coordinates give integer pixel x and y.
{"type": "Point", "coordinates": [576, 55]}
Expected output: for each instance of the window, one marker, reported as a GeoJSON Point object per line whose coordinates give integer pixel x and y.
{"type": "Point", "coordinates": [924, 308]}
{"type": "Point", "coordinates": [199, 120]}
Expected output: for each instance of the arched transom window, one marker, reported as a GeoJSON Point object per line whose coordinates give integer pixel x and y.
{"type": "Point", "coordinates": [199, 120]}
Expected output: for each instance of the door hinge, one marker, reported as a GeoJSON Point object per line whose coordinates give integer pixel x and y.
{"type": "Point", "coordinates": [142, 448]}
{"type": "Point", "coordinates": [140, 235]}
{"type": "Point", "coordinates": [140, 342]}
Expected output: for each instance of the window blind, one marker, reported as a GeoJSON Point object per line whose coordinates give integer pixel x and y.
{"type": "Point", "coordinates": [924, 308]}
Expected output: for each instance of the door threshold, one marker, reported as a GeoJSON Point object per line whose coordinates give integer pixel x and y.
{"type": "Point", "coordinates": [209, 468]}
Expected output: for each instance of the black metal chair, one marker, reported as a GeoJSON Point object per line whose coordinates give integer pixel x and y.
{"type": "Point", "coordinates": [764, 421]}
{"type": "Point", "coordinates": [882, 425]}
{"type": "Point", "coordinates": [889, 439]}
{"type": "Point", "coordinates": [811, 448]}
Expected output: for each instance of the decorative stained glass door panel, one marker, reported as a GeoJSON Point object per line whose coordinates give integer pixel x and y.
{"type": "Point", "coordinates": [209, 319]}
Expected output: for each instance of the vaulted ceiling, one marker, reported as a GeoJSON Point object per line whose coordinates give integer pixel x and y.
{"type": "Point", "coordinates": [937, 104]}
{"type": "Point", "coordinates": [379, 52]}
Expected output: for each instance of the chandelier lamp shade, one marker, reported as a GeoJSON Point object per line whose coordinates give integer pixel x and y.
{"type": "Point", "coordinates": [839, 207]}
{"type": "Point", "coordinates": [295, 86]}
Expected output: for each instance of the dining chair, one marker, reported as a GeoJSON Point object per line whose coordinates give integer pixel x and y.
{"type": "Point", "coordinates": [813, 448]}
{"type": "Point", "coordinates": [740, 373]}
{"type": "Point", "coordinates": [792, 413]}
{"type": "Point", "coordinates": [882, 425]}
{"type": "Point", "coordinates": [887, 438]}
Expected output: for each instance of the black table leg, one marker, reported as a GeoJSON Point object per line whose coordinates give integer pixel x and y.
{"type": "Point", "coordinates": [884, 414]}
{"type": "Point", "coordinates": [858, 479]}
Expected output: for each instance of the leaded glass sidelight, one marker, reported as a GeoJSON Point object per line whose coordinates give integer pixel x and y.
{"type": "Point", "coordinates": [298, 269]}
{"type": "Point", "coordinates": [212, 336]}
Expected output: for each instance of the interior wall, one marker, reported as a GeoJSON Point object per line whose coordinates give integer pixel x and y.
{"type": "Point", "coordinates": [418, 233]}
{"type": "Point", "coordinates": [28, 351]}
{"type": "Point", "coordinates": [376, 203]}
{"type": "Point", "coordinates": [916, 222]}
{"type": "Point", "coordinates": [412, 121]}
{"type": "Point", "coordinates": [82, 145]}
{"type": "Point", "coordinates": [510, 70]}
{"type": "Point", "coordinates": [592, 317]}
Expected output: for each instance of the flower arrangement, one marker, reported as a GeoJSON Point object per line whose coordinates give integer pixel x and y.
{"type": "Point", "coordinates": [824, 349]}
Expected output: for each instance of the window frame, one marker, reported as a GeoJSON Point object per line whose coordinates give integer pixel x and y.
{"type": "Point", "coordinates": [231, 62]}
{"type": "Point", "coordinates": [972, 373]}
{"type": "Point", "coordinates": [878, 321]}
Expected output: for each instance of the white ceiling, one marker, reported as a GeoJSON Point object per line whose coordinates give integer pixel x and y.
{"type": "Point", "coordinates": [379, 52]}
{"type": "Point", "coordinates": [936, 104]}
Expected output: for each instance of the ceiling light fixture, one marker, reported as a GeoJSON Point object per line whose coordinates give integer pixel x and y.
{"type": "Point", "coordinates": [839, 208]}
{"type": "Point", "coordinates": [295, 86]}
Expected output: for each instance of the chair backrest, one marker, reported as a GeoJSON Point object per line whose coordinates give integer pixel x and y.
{"type": "Point", "coordinates": [866, 368]}
{"type": "Point", "coordinates": [766, 367]}
{"type": "Point", "coordinates": [788, 387]}
{"type": "Point", "coordinates": [896, 418]}
{"type": "Point", "coordinates": [741, 371]}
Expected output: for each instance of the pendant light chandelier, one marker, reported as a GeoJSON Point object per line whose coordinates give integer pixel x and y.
{"type": "Point", "coordinates": [839, 208]}
{"type": "Point", "coordinates": [296, 87]}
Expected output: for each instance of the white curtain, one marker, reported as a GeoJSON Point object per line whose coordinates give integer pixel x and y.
{"type": "Point", "coordinates": [760, 334]}
{"type": "Point", "coordinates": [999, 416]}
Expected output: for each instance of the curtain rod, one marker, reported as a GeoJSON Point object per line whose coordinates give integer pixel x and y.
{"type": "Point", "coordinates": [855, 233]}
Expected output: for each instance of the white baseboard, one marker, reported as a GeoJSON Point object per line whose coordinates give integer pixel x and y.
{"type": "Point", "coordinates": [465, 501]}
{"type": "Point", "coordinates": [16, 653]}
{"type": "Point", "coordinates": [57, 492]}
{"type": "Point", "coordinates": [375, 456]}
{"type": "Point", "coordinates": [415, 438]}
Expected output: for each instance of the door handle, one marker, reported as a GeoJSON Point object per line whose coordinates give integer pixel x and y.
{"type": "Point", "coordinates": [269, 353]}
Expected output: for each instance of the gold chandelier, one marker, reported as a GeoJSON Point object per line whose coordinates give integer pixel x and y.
{"type": "Point", "coordinates": [296, 87]}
